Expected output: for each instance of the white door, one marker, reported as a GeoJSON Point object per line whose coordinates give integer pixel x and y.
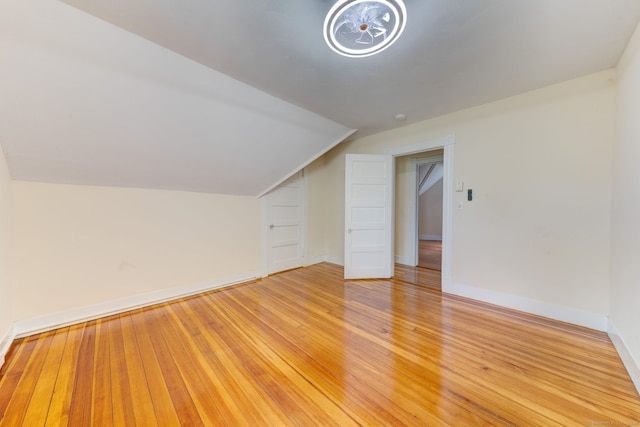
{"type": "Point", "coordinates": [285, 234]}
{"type": "Point", "coordinates": [369, 226]}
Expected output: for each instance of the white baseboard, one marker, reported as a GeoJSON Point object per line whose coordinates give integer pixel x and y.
{"type": "Point", "coordinates": [429, 237]}
{"type": "Point", "coordinates": [5, 343]}
{"type": "Point", "coordinates": [403, 260]}
{"type": "Point", "coordinates": [48, 322]}
{"type": "Point", "coordinates": [315, 260]}
{"type": "Point", "coordinates": [334, 260]}
{"type": "Point", "coordinates": [552, 311]}
{"type": "Point", "coordinates": [633, 367]}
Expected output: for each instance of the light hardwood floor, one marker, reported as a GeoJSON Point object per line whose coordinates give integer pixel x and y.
{"type": "Point", "coordinates": [419, 276]}
{"type": "Point", "coordinates": [430, 254]}
{"type": "Point", "coordinates": [307, 348]}
{"type": "Point", "coordinates": [427, 273]}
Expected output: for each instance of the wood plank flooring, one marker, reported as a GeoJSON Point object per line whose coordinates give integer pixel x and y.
{"type": "Point", "coordinates": [305, 347]}
{"type": "Point", "coordinates": [430, 254]}
{"type": "Point", "coordinates": [427, 273]}
{"type": "Point", "coordinates": [419, 276]}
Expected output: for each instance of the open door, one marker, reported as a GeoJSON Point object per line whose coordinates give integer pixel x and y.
{"type": "Point", "coordinates": [369, 223]}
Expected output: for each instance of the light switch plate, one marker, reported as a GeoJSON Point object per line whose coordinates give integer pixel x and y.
{"type": "Point", "coordinates": [459, 186]}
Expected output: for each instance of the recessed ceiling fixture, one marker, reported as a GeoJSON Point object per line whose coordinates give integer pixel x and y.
{"type": "Point", "coordinates": [358, 28]}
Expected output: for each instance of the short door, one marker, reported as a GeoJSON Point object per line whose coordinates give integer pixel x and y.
{"type": "Point", "coordinates": [286, 210]}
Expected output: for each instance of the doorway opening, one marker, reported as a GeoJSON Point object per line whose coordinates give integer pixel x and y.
{"type": "Point", "coordinates": [407, 243]}
{"type": "Point", "coordinates": [420, 189]}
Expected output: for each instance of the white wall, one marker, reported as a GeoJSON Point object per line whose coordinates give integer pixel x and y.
{"type": "Point", "coordinates": [326, 188]}
{"type": "Point", "coordinates": [536, 236]}
{"type": "Point", "coordinates": [625, 226]}
{"type": "Point", "coordinates": [6, 229]}
{"type": "Point", "coordinates": [78, 246]}
{"type": "Point", "coordinates": [315, 212]}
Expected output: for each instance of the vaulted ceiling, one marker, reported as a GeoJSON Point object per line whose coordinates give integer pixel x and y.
{"type": "Point", "coordinates": [232, 96]}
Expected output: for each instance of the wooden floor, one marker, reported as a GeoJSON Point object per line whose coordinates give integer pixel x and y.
{"type": "Point", "coordinates": [430, 254]}
{"type": "Point", "coordinates": [427, 273]}
{"type": "Point", "coordinates": [307, 348]}
{"type": "Point", "coordinates": [419, 276]}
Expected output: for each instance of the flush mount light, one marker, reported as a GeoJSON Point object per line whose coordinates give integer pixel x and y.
{"type": "Point", "coordinates": [358, 28]}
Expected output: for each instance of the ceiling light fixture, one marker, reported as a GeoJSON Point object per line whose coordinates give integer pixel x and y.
{"type": "Point", "coordinates": [359, 28]}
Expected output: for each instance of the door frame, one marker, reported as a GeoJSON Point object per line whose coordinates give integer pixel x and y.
{"type": "Point", "coordinates": [445, 143]}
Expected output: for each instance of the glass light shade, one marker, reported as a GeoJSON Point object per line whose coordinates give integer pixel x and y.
{"type": "Point", "coordinates": [358, 28]}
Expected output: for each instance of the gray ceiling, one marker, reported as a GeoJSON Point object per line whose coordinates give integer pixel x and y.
{"type": "Point", "coordinates": [453, 54]}
{"type": "Point", "coordinates": [233, 96]}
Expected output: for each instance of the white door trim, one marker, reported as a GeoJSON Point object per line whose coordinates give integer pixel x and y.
{"type": "Point", "coordinates": [446, 143]}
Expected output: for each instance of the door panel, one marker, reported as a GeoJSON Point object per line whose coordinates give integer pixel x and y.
{"type": "Point", "coordinates": [286, 225]}
{"type": "Point", "coordinates": [369, 216]}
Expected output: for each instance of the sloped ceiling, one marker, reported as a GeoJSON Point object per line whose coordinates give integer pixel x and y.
{"type": "Point", "coordinates": [429, 174]}
{"type": "Point", "coordinates": [85, 102]}
{"type": "Point", "coordinates": [231, 96]}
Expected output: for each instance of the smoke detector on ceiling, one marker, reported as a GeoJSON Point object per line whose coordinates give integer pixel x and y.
{"type": "Point", "coordinates": [359, 28]}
